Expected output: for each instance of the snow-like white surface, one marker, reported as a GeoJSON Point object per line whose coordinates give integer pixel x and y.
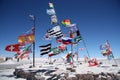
{"type": "Point", "coordinates": [7, 68]}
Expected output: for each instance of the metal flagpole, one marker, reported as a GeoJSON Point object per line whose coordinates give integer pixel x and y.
{"type": "Point", "coordinates": [34, 44]}
{"type": "Point", "coordinates": [112, 53]}
{"type": "Point", "coordinates": [85, 47]}
{"type": "Point", "coordinates": [33, 18]}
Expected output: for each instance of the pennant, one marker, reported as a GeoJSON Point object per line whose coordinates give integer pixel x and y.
{"type": "Point", "coordinates": [51, 12]}
{"type": "Point", "coordinates": [45, 49]}
{"type": "Point", "coordinates": [24, 39]}
{"type": "Point", "coordinates": [51, 5]}
{"type": "Point", "coordinates": [55, 32]}
{"type": "Point", "coordinates": [13, 48]}
{"type": "Point", "coordinates": [66, 22]}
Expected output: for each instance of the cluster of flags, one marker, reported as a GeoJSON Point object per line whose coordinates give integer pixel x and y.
{"type": "Point", "coordinates": [23, 47]}
{"type": "Point", "coordinates": [55, 32]}
{"type": "Point", "coordinates": [47, 49]}
{"type": "Point", "coordinates": [106, 50]}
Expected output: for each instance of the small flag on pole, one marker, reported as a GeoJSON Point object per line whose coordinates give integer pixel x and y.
{"type": "Point", "coordinates": [51, 5]}
{"type": "Point", "coordinates": [32, 17]}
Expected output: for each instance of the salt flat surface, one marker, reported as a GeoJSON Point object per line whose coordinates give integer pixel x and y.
{"type": "Point", "coordinates": [7, 68]}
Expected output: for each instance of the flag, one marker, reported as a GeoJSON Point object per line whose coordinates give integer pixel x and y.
{"type": "Point", "coordinates": [13, 48]}
{"type": "Point", "coordinates": [23, 56]}
{"type": "Point", "coordinates": [74, 29]}
{"type": "Point", "coordinates": [31, 31]}
{"type": "Point", "coordinates": [57, 50]}
{"type": "Point", "coordinates": [82, 49]}
{"type": "Point", "coordinates": [66, 40]}
{"type": "Point", "coordinates": [55, 32]}
{"type": "Point", "coordinates": [62, 47]}
{"type": "Point", "coordinates": [50, 11]}
{"type": "Point", "coordinates": [54, 51]}
{"type": "Point", "coordinates": [110, 57]}
{"type": "Point", "coordinates": [69, 57]}
{"type": "Point", "coordinates": [32, 17]}
{"type": "Point", "coordinates": [45, 49]}
{"type": "Point", "coordinates": [28, 48]}
{"type": "Point", "coordinates": [47, 36]}
{"type": "Point", "coordinates": [51, 5]}
{"type": "Point", "coordinates": [24, 52]}
{"type": "Point", "coordinates": [27, 38]}
{"type": "Point", "coordinates": [105, 46]}
{"type": "Point", "coordinates": [78, 38]}
{"type": "Point", "coordinates": [66, 22]}
{"type": "Point", "coordinates": [104, 53]}
{"type": "Point", "coordinates": [71, 25]}
{"type": "Point", "coordinates": [74, 34]}
{"type": "Point", "coordinates": [102, 46]}
{"type": "Point", "coordinates": [54, 19]}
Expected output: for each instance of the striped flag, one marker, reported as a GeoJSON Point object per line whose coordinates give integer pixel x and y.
{"type": "Point", "coordinates": [45, 49]}
{"type": "Point", "coordinates": [55, 32]}
{"type": "Point", "coordinates": [66, 40]}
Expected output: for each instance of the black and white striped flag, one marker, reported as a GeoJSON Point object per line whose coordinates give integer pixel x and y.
{"type": "Point", "coordinates": [55, 32]}
{"type": "Point", "coordinates": [45, 49]}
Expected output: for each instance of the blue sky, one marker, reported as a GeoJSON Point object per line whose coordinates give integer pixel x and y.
{"type": "Point", "coordinates": [98, 21]}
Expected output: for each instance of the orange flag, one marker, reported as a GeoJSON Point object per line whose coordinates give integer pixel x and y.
{"type": "Point", "coordinates": [24, 39]}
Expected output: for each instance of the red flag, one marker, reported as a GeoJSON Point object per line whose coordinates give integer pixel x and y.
{"type": "Point", "coordinates": [62, 47]}
{"type": "Point", "coordinates": [13, 48]}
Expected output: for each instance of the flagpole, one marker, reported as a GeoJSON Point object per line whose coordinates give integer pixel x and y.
{"type": "Point", "coordinates": [33, 19]}
{"type": "Point", "coordinates": [85, 47]}
{"type": "Point", "coordinates": [112, 54]}
{"type": "Point", "coordinates": [34, 44]}
{"type": "Point", "coordinates": [77, 52]}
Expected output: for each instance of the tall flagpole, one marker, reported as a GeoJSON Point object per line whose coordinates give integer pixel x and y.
{"type": "Point", "coordinates": [33, 18]}
{"type": "Point", "coordinates": [112, 54]}
{"type": "Point", "coordinates": [34, 43]}
{"type": "Point", "coordinates": [86, 48]}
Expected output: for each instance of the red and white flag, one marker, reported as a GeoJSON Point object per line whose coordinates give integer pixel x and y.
{"type": "Point", "coordinates": [13, 48]}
